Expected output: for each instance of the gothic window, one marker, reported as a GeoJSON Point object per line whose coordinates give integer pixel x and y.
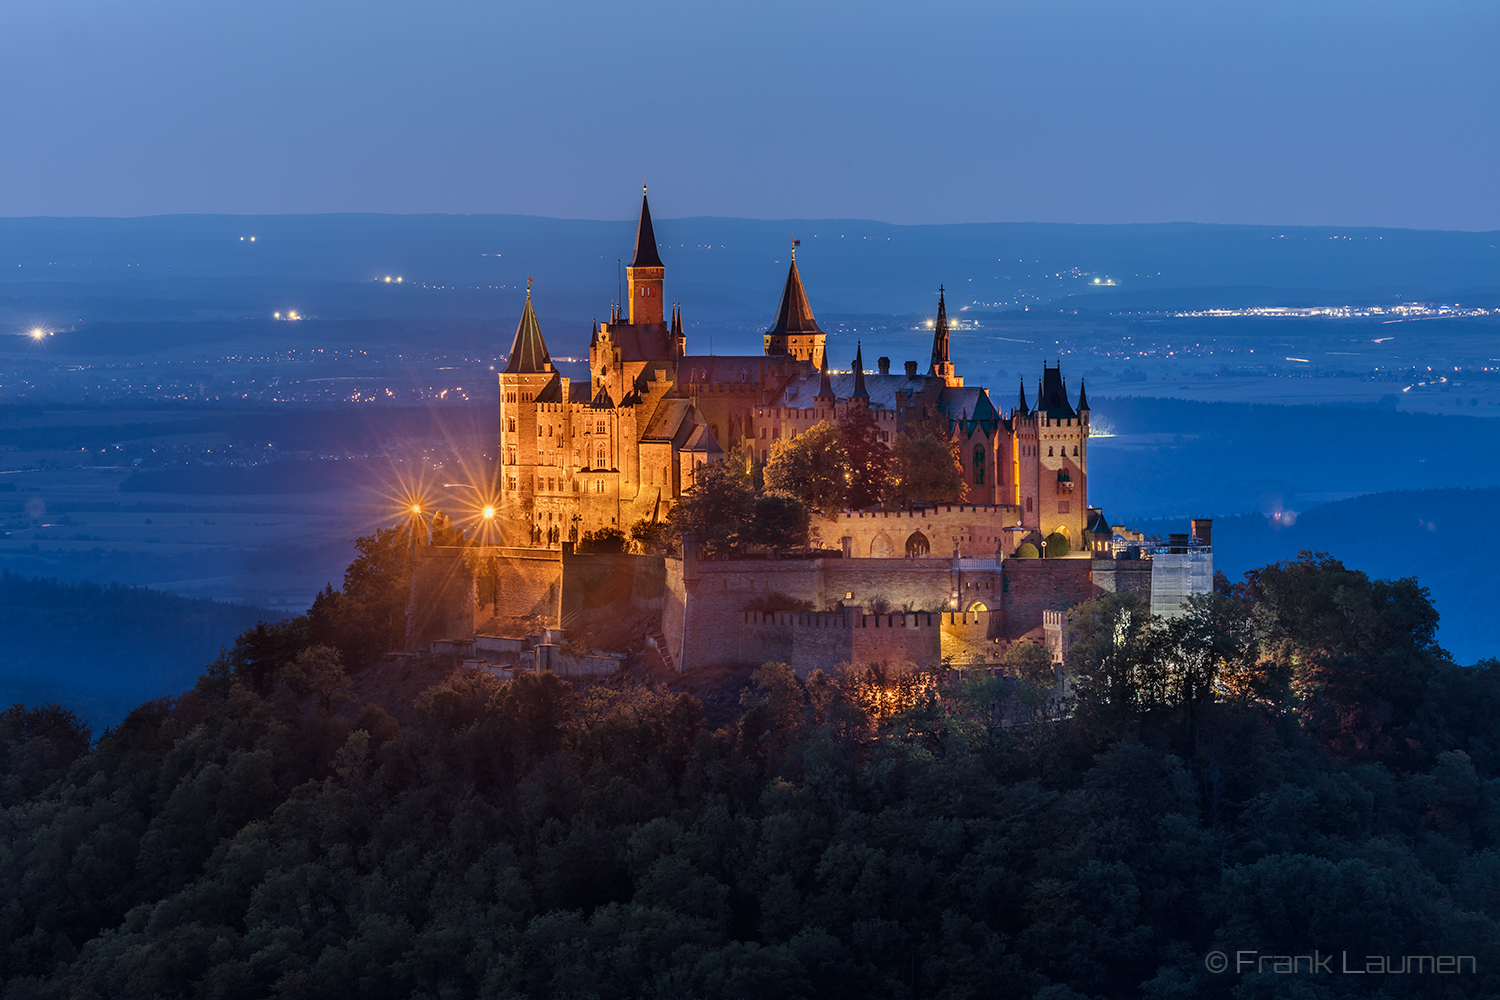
{"type": "Point", "coordinates": [978, 465]}
{"type": "Point", "coordinates": [917, 545]}
{"type": "Point", "coordinates": [1049, 451]}
{"type": "Point", "coordinates": [1075, 451]}
{"type": "Point", "coordinates": [510, 424]}
{"type": "Point", "coordinates": [599, 456]}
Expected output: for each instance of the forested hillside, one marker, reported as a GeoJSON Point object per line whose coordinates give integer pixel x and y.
{"type": "Point", "coordinates": [1292, 767]}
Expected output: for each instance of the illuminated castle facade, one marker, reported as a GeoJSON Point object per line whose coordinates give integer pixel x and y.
{"type": "Point", "coordinates": [580, 456]}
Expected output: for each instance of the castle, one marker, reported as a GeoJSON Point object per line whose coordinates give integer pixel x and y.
{"type": "Point", "coordinates": [578, 456]}
{"type": "Point", "coordinates": [584, 456]}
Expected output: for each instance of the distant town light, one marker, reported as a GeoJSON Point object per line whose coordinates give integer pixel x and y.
{"type": "Point", "coordinates": [38, 333]}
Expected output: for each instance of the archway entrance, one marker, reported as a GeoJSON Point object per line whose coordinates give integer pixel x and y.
{"type": "Point", "coordinates": [917, 545]}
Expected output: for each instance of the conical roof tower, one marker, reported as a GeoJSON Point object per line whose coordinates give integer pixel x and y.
{"type": "Point", "coordinates": [795, 330]}
{"type": "Point", "coordinates": [528, 352]}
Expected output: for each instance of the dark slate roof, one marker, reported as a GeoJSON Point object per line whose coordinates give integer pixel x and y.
{"type": "Point", "coordinates": [971, 406]}
{"type": "Point", "coordinates": [702, 440]}
{"type": "Point", "coordinates": [1099, 524]}
{"type": "Point", "coordinates": [602, 400]}
{"type": "Point", "coordinates": [578, 392]}
{"type": "Point", "coordinates": [1053, 398]}
{"type": "Point", "coordinates": [645, 240]}
{"type": "Point", "coordinates": [551, 392]}
{"type": "Point", "coordinates": [669, 416]}
{"type": "Point", "coordinates": [801, 393]}
{"type": "Point", "coordinates": [528, 352]}
{"type": "Point", "coordinates": [794, 316]}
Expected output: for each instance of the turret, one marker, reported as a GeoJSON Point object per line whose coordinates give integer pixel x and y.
{"type": "Point", "coordinates": [795, 331]}
{"type": "Point", "coordinates": [942, 365]}
{"type": "Point", "coordinates": [860, 392]}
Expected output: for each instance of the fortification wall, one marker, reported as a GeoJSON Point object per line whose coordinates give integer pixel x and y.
{"type": "Point", "coordinates": [1031, 586]}
{"type": "Point", "coordinates": [442, 604]}
{"type": "Point", "coordinates": [1123, 576]}
{"type": "Point", "coordinates": [975, 530]}
{"type": "Point", "coordinates": [516, 582]}
{"type": "Point", "coordinates": [604, 587]}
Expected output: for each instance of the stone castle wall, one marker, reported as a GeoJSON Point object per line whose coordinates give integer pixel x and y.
{"type": "Point", "coordinates": [974, 530]}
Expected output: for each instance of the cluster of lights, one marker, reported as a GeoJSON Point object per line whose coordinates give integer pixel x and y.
{"type": "Point", "coordinates": [397, 279]}
{"type": "Point", "coordinates": [244, 239]}
{"type": "Point", "coordinates": [291, 314]}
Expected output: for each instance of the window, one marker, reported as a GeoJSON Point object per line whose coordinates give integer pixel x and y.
{"type": "Point", "coordinates": [762, 433]}
{"type": "Point", "coordinates": [599, 427]}
{"type": "Point", "coordinates": [600, 457]}
{"type": "Point", "coordinates": [510, 425]}
{"type": "Point", "coordinates": [1049, 451]}
{"type": "Point", "coordinates": [551, 484]}
{"type": "Point", "coordinates": [549, 430]}
{"type": "Point", "coordinates": [1028, 505]}
{"type": "Point", "coordinates": [775, 433]}
{"type": "Point", "coordinates": [1075, 451]}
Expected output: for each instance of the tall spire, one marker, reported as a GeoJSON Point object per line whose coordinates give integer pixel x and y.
{"type": "Point", "coordinates": [795, 330]}
{"type": "Point", "coordinates": [940, 337]}
{"type": "Point", "coordinates": [528, 352]}
{"type": "Point", "coordinates": [825, 386]}
{"type": "Point", "coordinates": [1083, 397]}
{"type": "Point", "coordinates": [1021, 407]}
{"type": "Point", "coordinates": [645, 238]}
{"type": "Point", "coordinates": [860, 392]}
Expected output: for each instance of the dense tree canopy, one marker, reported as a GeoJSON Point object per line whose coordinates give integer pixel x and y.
{"type": "Point", "coordinates": [813, 467]}
{"type": "Point", "coordinates": [924, 470]}
{"type": "Point", "coordinates": [1292, 766]}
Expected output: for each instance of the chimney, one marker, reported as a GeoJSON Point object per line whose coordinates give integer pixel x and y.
{"type": "Point", "coordinates": [884, 364]}
{"type": "Point", "coordinates": [911, 369]}
{"type": "Point", "coordinates": [1203, 530]}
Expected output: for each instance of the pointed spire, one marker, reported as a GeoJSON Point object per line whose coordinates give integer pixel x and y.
{"type": "Point", "coordinates": [645, 238]}
{"type": "Point", "coordinates": [794, 316]}
{"type": "Point", "coordinates": [1083, 398]}
{"type": "Point", "coordinates": [940, 337]}
{"type": "Point", "coordinates": [1021, 406]}
{"type": "Point", "coordinates": [528, 352]}
{"type": "Point", "coordinates": [594, 334]}
{"type": "Point", "coordinates": [825, 385]}
{"type": "Point", "coordinates": [860, 392]}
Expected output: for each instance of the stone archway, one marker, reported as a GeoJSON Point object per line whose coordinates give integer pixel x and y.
{"type": "Point", "coordinates": [977, 608]}
{"type": "Point", "coordinates": [881, 547]}
{"type": "Point", "coordinates": [917, 545]}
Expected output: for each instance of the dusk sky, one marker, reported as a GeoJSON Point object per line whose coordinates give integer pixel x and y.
{"type": "Point", "coordinates": [1348, 112]}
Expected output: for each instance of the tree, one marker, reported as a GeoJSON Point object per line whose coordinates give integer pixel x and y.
{"type": "Point", "coordinates": [604, 541]}
{"type": "Point", "coordinates": [716, 508]}
{"type": "Point", "coordinates": [811, 467]}
{"type": "Point", "coordinates": [924, 470]}
{"type": "Point", "coordinates": [779, 521]}
{"type": "Point", "coordinates": [1057, 545]}
{"type": "Point", "coordinates": [1112, 657]}
{"type": "Point", "coordinates": [317, 671]}
{"type": "Point", "coordinates": [652, 536]}
{"type": "Point", "coordinates": [868, 457]}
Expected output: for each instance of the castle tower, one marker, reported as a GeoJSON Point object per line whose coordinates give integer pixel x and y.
{"type": "Point", "coordinates": [1062, 461]}
{"type": "Point", "coordinates": [645, 273]}
{"type": "Point", "coordinates": [795, 332]}
{"type": "Point", "coordinates": [534, 438]}
{"type": "Point", "coordinates": [942, 364]}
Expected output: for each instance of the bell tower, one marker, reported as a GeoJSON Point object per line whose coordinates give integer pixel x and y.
{"type": "Point", "coordinates": [645, 273]}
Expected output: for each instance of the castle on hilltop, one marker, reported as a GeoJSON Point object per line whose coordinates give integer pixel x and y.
{"type": "Point", "coordinates": [953, 582]}
{"type": "Point", "coordinates": [582, 456]}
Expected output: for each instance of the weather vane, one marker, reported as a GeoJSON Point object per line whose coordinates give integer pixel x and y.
{"type": "Point", "coordinates": [795, 244]}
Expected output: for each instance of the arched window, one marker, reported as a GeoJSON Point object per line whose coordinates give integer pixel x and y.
{"type": "Point", "coordinates": [1049, 452]}
{"type": "Point", "coordinates": [600, 457]}
{"type": "Point", "coordinates": [1075, 451]}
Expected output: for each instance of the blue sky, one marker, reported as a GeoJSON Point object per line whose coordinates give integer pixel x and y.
{"type": "Point", "coordinates": [1343, 112]}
